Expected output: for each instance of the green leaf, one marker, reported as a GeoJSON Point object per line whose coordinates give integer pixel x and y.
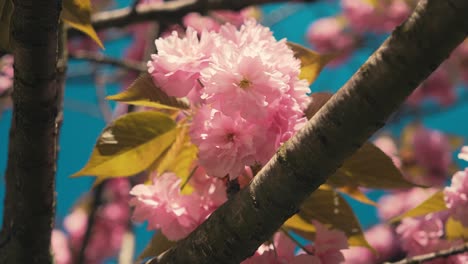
{"type": "Point", "coordinates": [312, 62]}
{"type": "Point", "coordinates": [455, 230]}
{"type": "Point", "coordinates": [296, 223]}
{"type": "Point", "coordinates": [369, 167]}
{"type": "Point", "coordinates": [158, 244]}
{"type": "Point", "coordinates": [318, 100]}
{"type": "Point", "coordinates": [180, 157]}
{"type": "Point", "coordinates": [433, 204]}
{"type": "Point", "coordinates": [130, 145]}
{"type": "Point", "coordinates": [144, 92]}
{"type": "Point", "coordinates": [330, 208]}
{"type": "Point", "coordinates": [6, 10]}
{"type": "Point", "coordinates": [77, 14]}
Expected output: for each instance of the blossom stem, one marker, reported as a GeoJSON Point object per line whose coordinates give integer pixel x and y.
{"type": "Point", "coordinates": [299, 244]}
{"type": "Point", "coordinates": [435, 255]}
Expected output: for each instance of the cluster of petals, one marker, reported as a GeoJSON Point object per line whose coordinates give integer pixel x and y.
{"type": "Point", "coordinates": [327, 249]}
{"type": "Point", "coordinates": [164, 206]}
{"type": "Point", "coordinates": [432, 152]}
{"type": "Point", "coordinates": [377, 16]}
{"type": "Point", "coordinates": [60, 248]}
{"type": "Point", "coordinates": [6, 73]}
{"type": "Point", "coordinates": [382, 238]}
{"type": "Point", "coordinates": [109, 227]}
{"type": "Point", "coordinates": [244, 88]}
{"type": "Point", "coordinates": [463, 155]}
{"type": "Point", "coordinates": [330, 35]}
{"type": "Point", "coordinates": [456, 197]}
{"type": "Point", "coordinates": [426, 235]}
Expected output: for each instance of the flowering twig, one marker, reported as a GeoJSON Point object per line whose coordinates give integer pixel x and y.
{"type": "Point", "coordinates": [100, 58]}
{"type": "Point", "coordinates": [236, 229]}
{"type": "Point", "coordinates": [170, 11]}
{"type": "Point", "coordinates": [435, 255]}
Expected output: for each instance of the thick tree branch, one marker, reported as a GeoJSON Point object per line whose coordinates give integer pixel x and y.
{"type": "Point", "coordinates": [435, 255]}
{"type": "Point", "coordinates": [170, 11]}
{"type": "Point", "coordinates": [30, 177]}
{"type": "Point", "coordinates": [234, 231]}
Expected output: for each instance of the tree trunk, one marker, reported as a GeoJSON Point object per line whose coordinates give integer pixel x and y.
{"type": "Point", "coordinates": [30, 177]}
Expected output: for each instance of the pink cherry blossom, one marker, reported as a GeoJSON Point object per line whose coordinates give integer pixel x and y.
{"type": "Point", "coordinates": [200, 23]}
{"type": "Point", "coordinates": [456, 197]}
{"type": "Point", "coordinates": [381, 17]}
{"type": "Point", "coordinates": [358, 255]}
{"type": "Point", "coordinates": [60, 248]}
{"type": "Point", "coordinates": [383, 239]}
{"type": "Point", "coordinates": [463, 153]}
{"type": "Point", "coordinates": [225, 143]}
{"type": "Point", "coordinates": [329, 243]}
{"type": "Point", "coordinates": [179, 61]}
{"type": "Point", "coordinates": [6, 72]}
{"type": "Point", "coordinates": [165, 208]}
{"type": "Point", "coordinates": [418, 234]}
{"type": "Point", "coordinates": [328, 35]}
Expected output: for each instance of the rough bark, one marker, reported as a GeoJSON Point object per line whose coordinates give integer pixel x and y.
{"type": "Point", "coordinates": [29, 202]}
{"type": "Point", "coordinates": [361, 106]}
{"type": "Point", "coordinates": [169, 12]}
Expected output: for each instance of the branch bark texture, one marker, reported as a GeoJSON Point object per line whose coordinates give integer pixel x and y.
{"type": "Point", "coordinates": [30, 177]}
{"type": "Point", "coordinates": [171, 11]}
{"type": "Point", "coordinates": [415, 49]}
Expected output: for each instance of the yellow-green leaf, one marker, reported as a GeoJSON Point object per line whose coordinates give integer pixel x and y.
{"type": "Point", "coordinates": [130, 145]}
{"type": "Point", "coordinates": [433, 204]}
{"type": "Point", "coordinates": [144, 92]}
{"type": "Point", "coordinates": [330, 208]}
{"type": "Point", "coordinates": [158, 244]}
{"type": "Point", "coordinates": [455, 230]}
{"type": "Point", "coordinates": [6, 10]}
{"type": "Point", "coordinates": [296, 223]}
{"type": "Point", "coordinates": [369, 167]}
{"type": "Point", "coordinates": [77, 14]}
{"type": "Point", "coordinates": [180, 157]}
{"type": "Point", "coordinates": [312, 62]}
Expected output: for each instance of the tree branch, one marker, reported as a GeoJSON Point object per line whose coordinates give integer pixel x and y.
{"type": "Point", "coordinates": [101, 59]}
{"type": "Point", "coordinates": [415, 49]}
{"type": "Point", "coordinates": [435, 255]}
{"type": "Point", "coordinates": [170, 11]}
{"type": "Point", "coordinates": [30, 177]}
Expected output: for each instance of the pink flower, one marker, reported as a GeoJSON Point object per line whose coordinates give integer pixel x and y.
{"type": "Point", "coordinates": [382, 238]}
{"type": "Point", "coordinates": [329, 243]}
{"type": "Point", "coordinates": [179, 61]}
{"type": "Point", "coordinates": [358, 255]}
{"type": "Point", "coordinates": [6, 72]}
{"type": "Point", "coordinates": [463, 153]}
{"type": "Point", "coordinates": [432, 151]}
{"type": "Point", "coordinates": [200, 23]}
{"type": "Point", "coordinates": [225, 143]}
{"type": "Point", "coordinates": [60, 248]}
{"type": "Point", "coordinates": [461, 57]}
{"type": "Point", "coordinates": [328, 35]}
{"type": "Point", "coordinates": [165, 208]}
{"type": "Point", "coordinates": [416, 235]}
{"type": "Point", "coordinates": [456, 197]}
{"type": "Point", "coordinates": [381, 17]}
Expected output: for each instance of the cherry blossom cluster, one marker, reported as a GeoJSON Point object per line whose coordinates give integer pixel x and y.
{"type": "Point", "coordinates": [6, 73]}
{"type": "Point", "coordinates": [174, 213]}
{"type": "Point", "coordinates": [244, 89]}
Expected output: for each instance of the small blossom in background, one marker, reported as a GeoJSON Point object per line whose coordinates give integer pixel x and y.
{"type": "Point", "coordinates": [456, 197]}
{"type": "Point", "coordinates": [329, 35]}
{"type": "Point", "coordinates": [463, 155]}
{"type": "Point", "coordinates": [438, 86]}
{"type": "Point", "coordinates": [60, 248]}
